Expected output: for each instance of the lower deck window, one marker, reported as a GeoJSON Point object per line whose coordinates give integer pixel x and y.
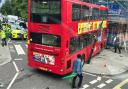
{"type": "Point", "coordinates": [81, 41]}
{"type": "Point", "coordinates": [45, 39]}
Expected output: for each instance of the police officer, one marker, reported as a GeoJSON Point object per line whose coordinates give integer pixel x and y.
{"type": "Point", "coordinates": [3, 38]}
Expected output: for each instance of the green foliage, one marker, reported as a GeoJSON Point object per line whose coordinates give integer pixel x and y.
{"type": "Point", "coordinates": [15, 7]}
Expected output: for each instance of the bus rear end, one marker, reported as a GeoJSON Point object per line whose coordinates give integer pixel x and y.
{"type": "Point", "coordinates": [45, 48]}
{"type": "Point", "coordinates": [45, 52]}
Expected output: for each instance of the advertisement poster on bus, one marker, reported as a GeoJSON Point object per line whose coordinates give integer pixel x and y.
{"type": "Point", "coordinates": [90, 26]}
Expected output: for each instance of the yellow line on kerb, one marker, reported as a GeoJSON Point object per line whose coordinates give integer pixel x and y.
{"type": "Point", "coordinates": [121, 84]}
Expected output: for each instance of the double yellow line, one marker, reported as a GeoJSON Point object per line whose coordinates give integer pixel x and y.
{"type": "Point", "coordinates": [121, 84]}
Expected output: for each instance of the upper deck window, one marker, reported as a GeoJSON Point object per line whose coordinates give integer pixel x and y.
{"type": "Point", "coordinates": [104, 14]}
{"type": "Point", "coordinates": [80, 12]}
{"type": "Point", "coordinates": [95, 13]}
{"type": "Point", "coordinates": [76, 12]}
{"type": "Point", "coordinates": [85, 12]}
{"type": "Point", "coordinates": [46, 11]}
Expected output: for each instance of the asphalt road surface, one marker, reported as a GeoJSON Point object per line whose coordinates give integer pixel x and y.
{"type": "Point", "coordinates": [17, 75]}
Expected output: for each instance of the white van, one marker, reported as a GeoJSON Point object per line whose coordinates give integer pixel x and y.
{"type": "Point", "coordinates": [12, 18]}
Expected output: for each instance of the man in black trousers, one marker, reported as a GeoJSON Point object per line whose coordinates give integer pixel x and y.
{"type": "Point", "coordinates": [116, 44]}
{"type": "Point", "coordinates": [77, 68]}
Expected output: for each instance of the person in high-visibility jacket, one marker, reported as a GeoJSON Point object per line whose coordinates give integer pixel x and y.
{"type": "Point", "coordinates": [8, 32]}
{"type": "Point", "coordinates": [3, 38]}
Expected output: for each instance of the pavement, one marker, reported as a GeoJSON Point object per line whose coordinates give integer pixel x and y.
{"type": "Point", "coordinates": [108, 63]}
{"type": "Point", "coordinates": [5, 55]}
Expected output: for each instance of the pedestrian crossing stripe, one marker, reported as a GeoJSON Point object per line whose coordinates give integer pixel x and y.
{"type": "Point", "coordinates": [101, 85]}
{"type": "Point", "coordinates": [93, 81]}
{"type": "Point", "coordinates": [109, 81]}
{"type": "Point", "coordinates": [85, 86]}
{"type": "Point", "coordinates": [18, 59]}
{"type": "Point", "coordinates": [19, 49]}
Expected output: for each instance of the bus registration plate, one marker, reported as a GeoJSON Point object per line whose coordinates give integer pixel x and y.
{"type": "Point", "coordinates": [44, 69]}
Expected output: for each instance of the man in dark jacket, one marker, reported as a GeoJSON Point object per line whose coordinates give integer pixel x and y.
{"type": "Point", "coordinates": [116, 44]}
{"type": "Point", "coordinates": [77, 68]}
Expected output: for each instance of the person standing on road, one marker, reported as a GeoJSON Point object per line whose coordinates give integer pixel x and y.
{"type": "Point", "coordinates": [3, 38]}
{"type": "Point", "coordinates": [22, 33]}
{"type": "Point", "coordinates": [0, 25]}
{"type": "Point", "coordinates": [116, 44]}
{"type": "Point", "coordinates": [77, 68]}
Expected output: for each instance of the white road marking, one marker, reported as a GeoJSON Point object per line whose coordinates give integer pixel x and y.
{"type": "Point", "coordinates": [93, 81]}
{"type": "Point", "coordinates": [17, 70]}
{"type": "Point", "coordinates": [81, 88]}
{"type": "Point", "coordinates": [19, 49]}
{"type": "Point", "coordinates": [18, 42]}
{"type": "Point", "coordinates": [109, 81]}
{"type": "Point", "coordinates": [89, 74]}
{"type": "Point", "coordinates": [85, 86]}
{"type": "Point", "coordinates": [101, 85]}
{"type": "Point", "coordinates": [98, 78]}
{"type": "Point", "coordinates": [19, 59]}
{"type": "Point", "coordinates": [16, 75]}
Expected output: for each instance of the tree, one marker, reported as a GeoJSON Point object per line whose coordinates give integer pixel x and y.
{"type": "Point", "coordinates": [15, 7]}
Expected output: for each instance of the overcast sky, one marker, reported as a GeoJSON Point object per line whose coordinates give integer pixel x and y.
{"type": "Point", "coordinates": [2, 2]}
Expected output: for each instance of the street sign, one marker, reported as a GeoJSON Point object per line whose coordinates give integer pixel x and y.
{"type": "Point", "coordinates": [114, 8]}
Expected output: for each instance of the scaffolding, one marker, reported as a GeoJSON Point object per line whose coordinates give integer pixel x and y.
{"type": "Point", "coordinates": [118, 24]}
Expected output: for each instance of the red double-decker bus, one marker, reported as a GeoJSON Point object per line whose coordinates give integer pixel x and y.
{"type": "Point", "coordinates": [61, 29]}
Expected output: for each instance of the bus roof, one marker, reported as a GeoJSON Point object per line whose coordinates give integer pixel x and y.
{"type": "Point", "coordinates": [100, 7]}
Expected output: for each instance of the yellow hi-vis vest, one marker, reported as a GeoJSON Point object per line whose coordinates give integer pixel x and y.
{"type": "Point", "coordinates": [3, 35]}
